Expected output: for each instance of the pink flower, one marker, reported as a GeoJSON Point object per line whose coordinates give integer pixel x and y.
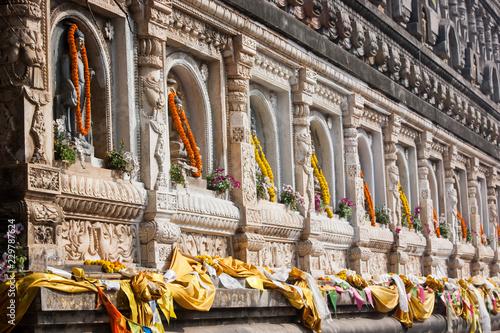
{"type": "Point", "coordinates": [398, 230]}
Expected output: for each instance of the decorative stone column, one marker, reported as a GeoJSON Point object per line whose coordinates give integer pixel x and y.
{"type": "Point", "coordinates": [359, 254]}
{"type": "Point", "coordinates": [247, 243]}
{"type": "Point", "coordinates": [391, 137]}
{"type": "Point", "coordinates": [426, 204]}
{"type": "Point", "coordinates": [157, 235]}
{"type": "Point", "coordinates": [493, 214]}
{"type": "Point", "coordinates": [29, 184]}
{"type": "Point", "coordinates": [310, 249]}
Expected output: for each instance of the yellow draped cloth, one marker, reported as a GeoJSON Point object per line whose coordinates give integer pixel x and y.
{"type": "Point", "coordinates": [416, 310]}
{"type": "Point", "coordinates": [143, 288]}
{"type": "Point", "coordinates": [255, 278]}
{"type": "Point", "coordinates": [385, 299]}
{"type": "Point", "coordinates": [187, 290]}
{"type": "Point", "coordinates": [27, 288]}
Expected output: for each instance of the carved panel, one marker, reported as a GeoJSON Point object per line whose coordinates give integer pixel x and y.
{"type": "Point", "coordinates": [378, 263]}
{"type": "Point", "coordinates": [333, 261]}
{"type": "Point", "coordinates": [276, 254]}
{"type": "Point", "coordinates": [198, 244]}
{"type": "Point", "coordinates": [83, 240]}
{"type": "Point", "coordinates": [43, 179]}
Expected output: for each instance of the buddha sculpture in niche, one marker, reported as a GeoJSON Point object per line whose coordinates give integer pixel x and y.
{"type": "Point", "coordinates": [178, 153]}
{"type": "Point", "coordinates": [73, 78]}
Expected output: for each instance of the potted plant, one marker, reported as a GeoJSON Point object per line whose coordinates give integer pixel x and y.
{"type": "Point", "coordinates": [344, 207]}
{"type": "Point", "coordinates": [217, 181]}
{"type": "Point", "coordinates": [291, 198]}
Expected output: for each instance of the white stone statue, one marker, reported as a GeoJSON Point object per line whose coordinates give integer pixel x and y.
{"type": "Point", "coordinates": [451, 202]}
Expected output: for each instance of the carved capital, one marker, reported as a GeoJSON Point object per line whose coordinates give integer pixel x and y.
{"type": "Point", "coordinates": [160, 231]}
{"type": "Point", "coordinates": [241, 60]}
{"type": "Point", "coordinates": [249, 241]}
{"type": "Point", "coordinates": [311, 247]}
{"type": "Point", "coordinates": [152, 17]}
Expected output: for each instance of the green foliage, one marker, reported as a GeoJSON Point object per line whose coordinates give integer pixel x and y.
{"type": "Point", "coordinates": [381, 216]}
{"type": "Point", "coordinates": [469, 235]}
{"type": "Point", "coordinates": [443, 229]}
{"type": "Point", "coordinates": [64, 150]}
{"type": "Point", "coordinates": [121, 160]}
{"type": "Point", "coordinates": [176, 175]}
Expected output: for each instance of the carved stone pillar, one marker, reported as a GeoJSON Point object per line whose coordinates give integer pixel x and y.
{"type": "Point", "coordinates": [426, 204]}
{"type": "Point", "coordinates": [157, 235]}
{"type": "Point", "coordinates": [392, 130]}
{"type": "Point", "coordinates": [239, 62]}
{"type": "Point", "coordinates": [352, 113]}
{"type": "Point", "coordinates": [474, 217]}
{"type": "Point", "coordinates": [310, 249]}
{"type": "Point", "coordinates": [493, 215]}
{"type": "Point", "coordinates": [29, 185]}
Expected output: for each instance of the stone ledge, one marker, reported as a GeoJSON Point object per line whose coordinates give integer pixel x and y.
{"type": "Point", "coordinates": [247, 310]}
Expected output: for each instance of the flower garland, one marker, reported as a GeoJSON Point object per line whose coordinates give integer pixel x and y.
{"type": "Point", "coordinates": [436, 225]}
{"type": "Point", "coordinates": [483, 237]}
{"type": "Point", "coordinates": [325, 192]}
{"type": "Point", "coordinates": [73, 52]}
{"type": "Point", "coordinates": [406, 206]}
{"type": "Point", "coordinates": [369, 201]}
{"type": "Point", "coordinates": [179, 117]}
{"type": "Point", "coordinates": [264, 167]}
{"type": "Point", "coordinates": [498, 230]}
{"type": "Point", "coordinates": [464, 226]}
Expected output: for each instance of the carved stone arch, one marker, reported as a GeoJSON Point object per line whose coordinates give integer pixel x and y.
{"type": "Point", "coordinates": [267, 130]}
{"type": "Point", "coordinates": [495, 96]}
{"type": "Point", "coordinates": [197, 98]}
{"type": "Point", "coordinates": [404, 174]}
{"type": "Point", "coordinates": [448, 46]}
{"type": "Point", "coordinates": [99, 60]}
{"type": "Point", "coordinates": [323, 145]}
{"type": "Point", "coordinates": [434, 188]}
{"type": "Point", "coordinates": [366, 161]}
{"type": "Point", "coordinates": [490, 75]}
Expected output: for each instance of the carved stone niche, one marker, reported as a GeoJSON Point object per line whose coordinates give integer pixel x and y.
{"type": "Point", "coordinates": [401, 11]}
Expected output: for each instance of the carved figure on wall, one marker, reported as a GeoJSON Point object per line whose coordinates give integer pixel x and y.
{"type": "Point", "coordinates": [394, 189]}
{"type": "Point", "coordinates": [452, 200]}
{"type": "Point", "coordinates": [73, 90]}
{"type": "Point", "coordinates": [493, 212]}
{"type": "Point", "coordinates": [178, 151]}
{"type": "Point", "coordinates": [304, 153]}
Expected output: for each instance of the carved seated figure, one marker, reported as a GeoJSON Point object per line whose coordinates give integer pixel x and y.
{"type": "Point", "coordinates": [178, 153]}
{"type": "Point", "coordinates": [72, 97]}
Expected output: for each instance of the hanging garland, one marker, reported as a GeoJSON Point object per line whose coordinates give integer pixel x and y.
{"type": "Point", "coordinates": [73, 53]}
{"type": "Point", "coordinates": [464, 226]}
{"type": "Point", "coordinates": [436, 224]}
{"type": "Point", "coordinates": [406, 206]}
{"type": "Point", "coordinates": [498, 231]}
{"type": "Point", "coordinates": [483, 238]}
{"type": "Point", "coordinates": [264, 166]}
{"type": "Point", "coordinates": [369, 201]}
{"type": "Point", "coordinates": [179, 118]}
{"type": "Point", "coordinates": [325, 192]}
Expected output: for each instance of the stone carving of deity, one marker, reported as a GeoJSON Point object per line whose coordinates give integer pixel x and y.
{"type": "Point", "coordinates": [178, 153]}
{"type": "Point", "coordinates": [67, 99]}
{"type": "Point", "coordinates": [493, 212]}
{"type": "Point", "coordinates": [394, 189]}
{"type": "Point", "coordinates": [452, 200]}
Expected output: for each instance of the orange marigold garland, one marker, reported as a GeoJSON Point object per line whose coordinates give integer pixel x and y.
{"type": "Point", "coordinates": [369, 202]}
{"type": "Point", "coordinates": [436, 225]}
{"type": "Point", "coordinates": [73, 53]}
{"type": "Point", "coordinates": [464, 226]}
{"type": "Point", "coordinates": [498, 230]}
{"type": "Point", "coordinates": [483, 238]}
{"type": "Point", "coordinates": [179, 117]}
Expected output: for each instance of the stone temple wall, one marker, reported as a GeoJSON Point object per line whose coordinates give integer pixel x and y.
{"type": "Point", "coordinates": [407, 94]}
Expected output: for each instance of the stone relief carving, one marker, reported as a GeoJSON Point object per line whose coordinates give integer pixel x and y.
{"type": "Point", "coordinates": [333, 261]}
{"type": "Point", "coordinates": [42, 234]}
{"type": "Point", "coordinates": [197, 244]}
{"type": "Point", "coordinates": [43, 179]}
{"type": "Point", "coordinates": [83, 240]}
{"type": "Point", "coordinates": [159, 231]}
{"type": "Point", "coordinates": [276, 254]}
